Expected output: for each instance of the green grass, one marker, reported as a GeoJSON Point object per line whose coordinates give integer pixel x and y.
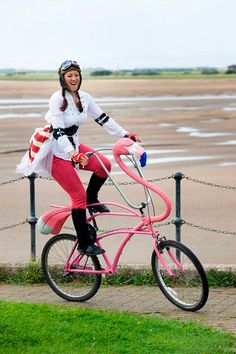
{"type": "Point", "coordinates": [34, 76]}
{"type": "Point", "coordinates": [221, 278]}
{"type": "Point", "coordinates": [37, 76]}
{"type": "Point", "coordinates": [36, 328]}
{"type": "Point", "coordinates": [31, 273]}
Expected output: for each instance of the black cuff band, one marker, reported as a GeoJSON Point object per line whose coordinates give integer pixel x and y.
{"type": "Point", "coordinates": [102, 119]}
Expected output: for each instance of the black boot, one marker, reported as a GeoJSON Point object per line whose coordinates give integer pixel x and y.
{"type": "Point", "coordinates": [94, 186]}
{"type": "Point", "coordinates": [86, 246]}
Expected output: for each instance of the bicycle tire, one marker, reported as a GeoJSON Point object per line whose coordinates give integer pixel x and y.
{"type": "Point", "coordinates": [187, 289]}
{"type": "Point", "coordinates": [72, 286]}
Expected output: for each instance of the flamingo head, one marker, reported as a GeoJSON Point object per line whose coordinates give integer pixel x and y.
{"type": "Point", "coordinates": [126, 146]}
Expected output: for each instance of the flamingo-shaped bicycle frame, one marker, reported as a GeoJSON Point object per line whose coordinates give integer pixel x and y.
{"type": "Point", "coordinates": [53, 221]}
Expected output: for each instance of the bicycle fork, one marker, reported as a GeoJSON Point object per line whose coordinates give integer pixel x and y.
{"type": "Point", "coordinates": [159, 256]}
{"type": "Point", "coordinates": [163, 262]}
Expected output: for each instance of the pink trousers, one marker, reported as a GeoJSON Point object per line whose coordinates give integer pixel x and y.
{"type": "Point", "coordinates": [67, 177]}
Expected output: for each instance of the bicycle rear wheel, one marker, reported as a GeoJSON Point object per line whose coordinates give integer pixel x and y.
{"type": "Point", "coordinates": [71, 286]}
{"type": "Point", "coordinates": [187, 288]}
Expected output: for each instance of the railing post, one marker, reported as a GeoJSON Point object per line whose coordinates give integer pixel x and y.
{"type": "Point", "coordinates": [178, 221]}
{"type": "Point", "coordinates": [32, 220]}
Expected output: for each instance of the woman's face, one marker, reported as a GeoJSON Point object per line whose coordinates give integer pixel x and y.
{"type": "Point", "coordinates": [72, 80]}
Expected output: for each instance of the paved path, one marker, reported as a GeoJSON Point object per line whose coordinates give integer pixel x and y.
{"type": "Point", "coordinates": [219, 312]}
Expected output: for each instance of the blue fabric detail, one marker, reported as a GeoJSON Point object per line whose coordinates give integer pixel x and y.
{"type": "Point", "coordinates": [143, 159]}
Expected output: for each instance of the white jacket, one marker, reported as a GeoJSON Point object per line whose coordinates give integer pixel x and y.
{"type": "Point", "coordinates": [61, 147]}
{"type": "Point", "coordinates": [71, 116]}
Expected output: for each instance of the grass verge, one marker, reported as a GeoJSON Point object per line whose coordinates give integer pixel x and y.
{"type": "Point", "coordinates": [31, 273]}
{"type": "Point", "coordinates": [37, 328]}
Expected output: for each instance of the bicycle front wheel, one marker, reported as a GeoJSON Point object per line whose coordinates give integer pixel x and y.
{"type": "Point", "coordinates": [187, 286]}
{"type": "Point", "coordinates": [71, 286]}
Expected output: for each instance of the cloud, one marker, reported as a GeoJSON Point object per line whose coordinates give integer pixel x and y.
{"type": "Point", "coordinates": [117, 34]}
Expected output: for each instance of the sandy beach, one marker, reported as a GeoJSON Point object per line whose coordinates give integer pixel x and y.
{"type": "Point", "coordinates": [185, 125]}
{"type": "Point", "coordinates": [126, 87]}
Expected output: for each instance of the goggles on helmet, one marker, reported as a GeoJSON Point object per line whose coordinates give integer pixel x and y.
{"type": "Point", "coordinates": [64, 67]}
{"type": "Point", "coordinates": [67, 64]}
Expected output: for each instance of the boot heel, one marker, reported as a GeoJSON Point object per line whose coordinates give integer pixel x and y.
{"type": "Point", "coordinates": [91, 250]}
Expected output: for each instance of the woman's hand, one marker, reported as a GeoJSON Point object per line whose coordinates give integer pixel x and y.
{"type": "Point", "coordinates": [133, 136]}
{"type": "Point", "coordinates": [80, 158]}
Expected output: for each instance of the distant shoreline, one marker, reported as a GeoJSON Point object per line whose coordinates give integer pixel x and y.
{"type": "Point", "coordinates": [121, 87]}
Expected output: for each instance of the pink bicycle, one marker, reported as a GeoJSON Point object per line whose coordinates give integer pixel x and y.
{"type": "Point", "coordinates": [76, 277]}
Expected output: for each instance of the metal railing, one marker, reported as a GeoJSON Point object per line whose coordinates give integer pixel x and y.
{"type": "Point", "coordinates": [177, 221]}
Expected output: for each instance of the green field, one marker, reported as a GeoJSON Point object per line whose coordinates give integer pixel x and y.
{"type": "Point", "coordinates": [37, 329]}
{"type": "Point", "coordinates": [162, 75]}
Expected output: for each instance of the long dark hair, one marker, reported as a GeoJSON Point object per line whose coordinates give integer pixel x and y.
{"type": "Point", "coordinates": [65, 103]}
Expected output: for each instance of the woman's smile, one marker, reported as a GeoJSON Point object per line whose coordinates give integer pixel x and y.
{"type": "Point", "coordinates": [72, 80]}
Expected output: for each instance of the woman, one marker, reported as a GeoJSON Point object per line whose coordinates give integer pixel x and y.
{"type": "Point", "coordinates": [68, 109]}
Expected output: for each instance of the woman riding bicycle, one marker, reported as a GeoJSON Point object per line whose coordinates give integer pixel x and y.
{"type": "Point", "coordinates": [69, 108]}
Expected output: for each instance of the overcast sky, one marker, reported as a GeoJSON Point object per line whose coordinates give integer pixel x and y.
{"type": "Point", "coordinates": [117, 34]}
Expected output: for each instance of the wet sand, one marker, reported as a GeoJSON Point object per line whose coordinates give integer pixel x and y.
{"type": "Point", "coordinates": [129, 87]}
{"type": "Point", "coordinates": [159, 125]}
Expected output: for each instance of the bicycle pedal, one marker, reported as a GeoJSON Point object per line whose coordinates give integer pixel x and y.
{"type": "Point", "coordinates": [68, 275]}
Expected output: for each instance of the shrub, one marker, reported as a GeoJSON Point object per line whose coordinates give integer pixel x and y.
{"type": "Point", "coordinates": [102, 73]}
{"type": "Point", "coordinates": [209, 71]}
{"type": "Point", "coordinates": [230, 71]}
